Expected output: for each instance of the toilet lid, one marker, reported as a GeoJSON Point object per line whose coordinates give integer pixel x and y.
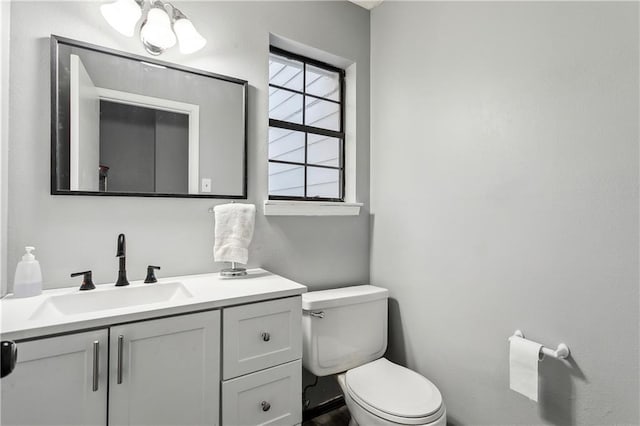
{"type": "Point", "coordinates": [392, 389]}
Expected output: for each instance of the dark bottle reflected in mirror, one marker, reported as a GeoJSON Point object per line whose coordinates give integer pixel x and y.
{"type": "Point", "coordinates": [130, 125]}
{"type": "Point", "coordinates": [103, 176]}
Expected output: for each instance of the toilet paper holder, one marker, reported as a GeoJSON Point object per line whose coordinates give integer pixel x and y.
{"type": "Point", "coordinates": [562, 352]}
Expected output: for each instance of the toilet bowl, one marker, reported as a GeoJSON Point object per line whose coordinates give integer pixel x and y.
{"type": "Point", "coordinates": [345, 332]}
{"type": "Point", "coordinates": [383, 393]}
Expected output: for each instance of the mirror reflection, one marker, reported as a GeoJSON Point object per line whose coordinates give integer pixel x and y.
{"type": "Point", "coordinates": [128, 125]}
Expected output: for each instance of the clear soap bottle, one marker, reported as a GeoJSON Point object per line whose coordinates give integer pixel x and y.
{"type": "Point", "coordinates": [28, 278]}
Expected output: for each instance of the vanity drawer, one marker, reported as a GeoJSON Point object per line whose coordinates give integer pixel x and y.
{"type": "Point", "coordinates": [261, 335]}
{"type": "Point", "coordinates": [267, 397]}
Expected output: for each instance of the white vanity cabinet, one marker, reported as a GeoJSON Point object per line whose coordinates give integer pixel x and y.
{"type": "Point", "coordinates": [218, 352]}
{"type": "Point", "coordinates": [58, 380]}
{"type": "Point", "coordinates": [262, 370]}
{"type": "Point", "coordinates": [165, 371]}
{"type": "Point", "coordinates": [160, 372]}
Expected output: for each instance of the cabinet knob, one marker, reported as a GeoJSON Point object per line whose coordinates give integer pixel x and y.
{"type": "Point", "coordinates": [266, 336]}
{"type": "Point", "coordinates": [265, 406]}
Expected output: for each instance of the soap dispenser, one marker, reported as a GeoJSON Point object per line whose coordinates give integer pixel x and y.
{"type": "Point", "coordinates": [28, 278]}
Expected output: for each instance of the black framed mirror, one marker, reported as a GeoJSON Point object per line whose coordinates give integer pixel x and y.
{"type": "Point", "coordinates": [128, 125]}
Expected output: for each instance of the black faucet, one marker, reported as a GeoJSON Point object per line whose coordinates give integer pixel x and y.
{"type": "Point", "coordinates": [151, 276]}
{"type": "Point", "coordinates": [122, 253]}
{"type": "Point", "coordinates": [87, 281]}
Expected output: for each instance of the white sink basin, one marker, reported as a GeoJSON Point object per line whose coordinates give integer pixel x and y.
{"type": "Point", "coordinates": [103, 299]}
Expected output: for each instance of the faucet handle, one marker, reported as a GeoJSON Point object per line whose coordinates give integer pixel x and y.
{"type": "Point", "coordinates": [87, 282]}
{"type": "Point", "coordinates": [151, 275]}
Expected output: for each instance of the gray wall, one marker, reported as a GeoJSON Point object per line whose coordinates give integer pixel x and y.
{"type": "Point", "coordinates": [505, 195]}
{"type": "Point", "coordinates": [74, 233]}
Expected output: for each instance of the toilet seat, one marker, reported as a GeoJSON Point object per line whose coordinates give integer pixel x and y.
{"type": "Point", "coordinates": [394, 393]}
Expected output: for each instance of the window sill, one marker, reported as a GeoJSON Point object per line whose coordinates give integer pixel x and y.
{"type": "Point", "coordinates": [310, 208]}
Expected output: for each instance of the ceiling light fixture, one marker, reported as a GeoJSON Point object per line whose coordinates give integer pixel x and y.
{"type": "Point", "coordinates": [159, 30]}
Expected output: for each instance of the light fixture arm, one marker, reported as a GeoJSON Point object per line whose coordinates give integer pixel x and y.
{"type": "Point", "coordinates": [160, 5]}
{"type": "Point", "coordinates": [157, 3]}
{"type": "Point", "coordinates": [175, 13]}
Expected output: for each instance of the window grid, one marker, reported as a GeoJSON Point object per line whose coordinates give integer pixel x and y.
{"type": "Point", "coordinates": [304, 122]}
{"type": "Point", "coordinates": [309, 129]}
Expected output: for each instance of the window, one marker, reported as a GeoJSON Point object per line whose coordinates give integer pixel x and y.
{"type": "Point", "coordinates": [306, 129]}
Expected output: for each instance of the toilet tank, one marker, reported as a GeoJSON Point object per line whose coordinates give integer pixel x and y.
{"type": "Point", "coordinates": [343, 328]}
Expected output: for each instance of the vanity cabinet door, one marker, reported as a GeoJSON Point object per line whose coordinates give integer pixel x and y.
{"type": "Point", "coordinates": [166, 371]}
{"type": "Point", "coordinates": [58, 381]}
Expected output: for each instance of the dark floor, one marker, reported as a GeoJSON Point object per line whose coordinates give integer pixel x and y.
{"type": "Point", "coordinates": [337, 417]}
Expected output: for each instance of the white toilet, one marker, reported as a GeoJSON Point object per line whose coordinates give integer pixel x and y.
{"type": "Point", "coordinates": [345, 331]}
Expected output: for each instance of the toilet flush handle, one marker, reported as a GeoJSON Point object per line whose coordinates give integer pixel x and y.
{"type": "Point", "coordinates": [317, 314]}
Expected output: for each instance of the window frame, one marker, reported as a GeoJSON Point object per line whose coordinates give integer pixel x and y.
{"type": "Point", "coordinates": [306, 129]}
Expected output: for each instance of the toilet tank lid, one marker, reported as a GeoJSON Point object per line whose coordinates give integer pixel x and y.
{"type": "Point", "coordinates": [342, 296]}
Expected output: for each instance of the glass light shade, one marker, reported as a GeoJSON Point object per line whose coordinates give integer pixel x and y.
{"type": "Point", "coordinates": [122, 15]}
{"type": "Point", "coordinates": [188, 37]}
{"type": "Point", "coordinates": [156, 32]}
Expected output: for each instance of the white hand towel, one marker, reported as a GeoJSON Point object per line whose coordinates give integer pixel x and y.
{"type": "Point", "coordinates": [233, 232]}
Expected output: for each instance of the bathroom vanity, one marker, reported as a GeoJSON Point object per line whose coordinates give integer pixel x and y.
{"type": "Point", "coordinates": [189, 350]}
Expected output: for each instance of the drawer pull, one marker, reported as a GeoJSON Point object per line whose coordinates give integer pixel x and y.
{"type": "Point", "coordinates": [120, 356]}
{"type": "Point", "coordinates": [266, 337]}
{"type": "Point", "coordinates": [265, 406]}
{"type": "Point", "coordinates": [96, 365]}
{"type": "Point", "coordinates": [317, 314]}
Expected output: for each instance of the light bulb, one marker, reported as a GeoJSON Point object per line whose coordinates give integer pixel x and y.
{"type": "Point", "coordinates": [189, 38]}
{"type": "Point", "coordinates": [122, 15]}
{"type": "Point", "coordinates": [156, 33]}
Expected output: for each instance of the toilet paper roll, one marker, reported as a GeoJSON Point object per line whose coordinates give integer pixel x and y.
{"type": "Point", "coordinates": [523, 367]}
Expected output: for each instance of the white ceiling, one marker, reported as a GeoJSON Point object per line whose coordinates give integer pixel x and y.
{"type": "Point", "coordinates": [367, 4]}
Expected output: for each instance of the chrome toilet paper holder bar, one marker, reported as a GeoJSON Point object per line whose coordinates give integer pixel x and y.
{"type": "Point", "coordinates": [562, 352]}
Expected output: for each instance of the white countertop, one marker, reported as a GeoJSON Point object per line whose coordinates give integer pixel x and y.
{"type": "Point", "coordinates": [209, 291]}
